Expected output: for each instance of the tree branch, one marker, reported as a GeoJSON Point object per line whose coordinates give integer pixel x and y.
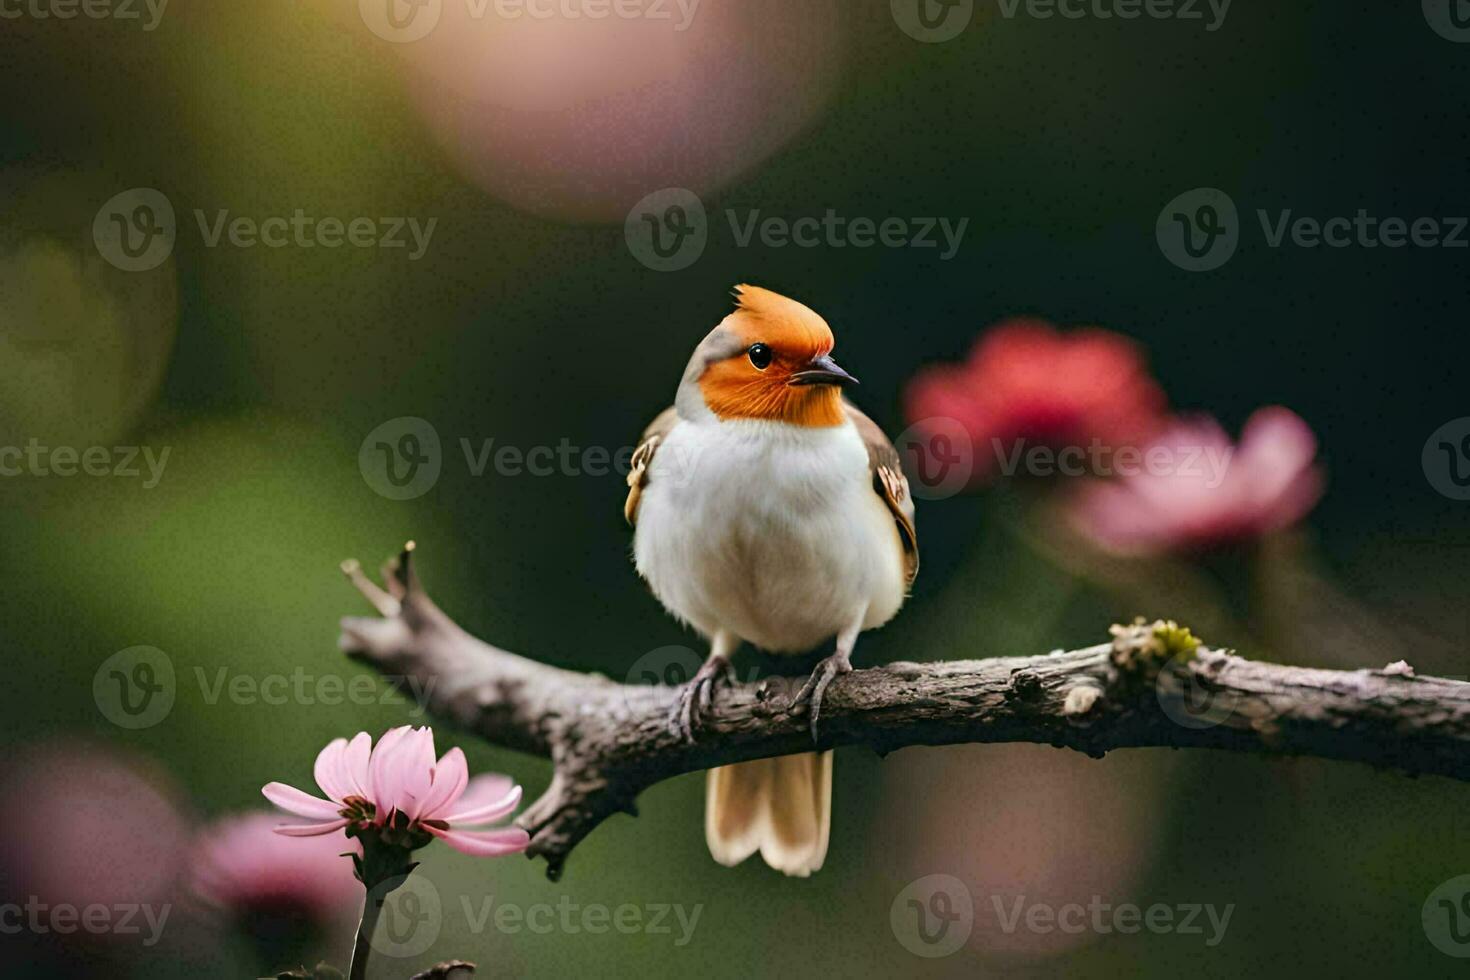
{"type": "Point", "coordinates": [608, 742]}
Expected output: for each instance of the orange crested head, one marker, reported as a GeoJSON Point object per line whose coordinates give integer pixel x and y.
{"type": "Point", "coordinates": [783, 368]}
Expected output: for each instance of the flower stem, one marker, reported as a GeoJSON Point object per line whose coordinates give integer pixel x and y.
{"type": "Point", "coordinates": [372, 906]}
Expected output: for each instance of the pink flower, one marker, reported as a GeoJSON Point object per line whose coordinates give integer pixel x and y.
{"type": "Point", "coordinates": [1197, 490]}
{"type": "Point", "coordinates": [85, 824]}
{"type": "Point", "coordinates": [397, 788]}
{"type": "Point", "coordinates": [1026, 380]}
{"type": "Point", "coordinates": [241, 865]}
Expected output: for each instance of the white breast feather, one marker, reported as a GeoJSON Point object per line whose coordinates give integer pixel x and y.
{"type": "Point", "coordinates": [769, 530]}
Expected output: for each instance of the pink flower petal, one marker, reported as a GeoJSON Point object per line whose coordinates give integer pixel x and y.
{"type": "Point", "coordinates": [484, 790]}
{"type": "Point", "coordinates": [488, 812]}
{"type": "Point", "coordinates": [451, 776]}
{"type": "Point", "coordinates": [485, 843]}
{"type": "Point", "coordinates": [355, 760]}
{"type": "Point", "coordinates": [1269, 483]}
{"type": "Point", "coordinates": [293, 800]}
{"type": "Point", "coordinates": [330, 770]}
{"type": "Point", "coordinates": [311, 829]}
{"type": "Point", "coordinates": [1276, 449]}
{"type": "Point", "coordinates": [415, 763]}
{"type": "Point", "coordinates": [382, 781]}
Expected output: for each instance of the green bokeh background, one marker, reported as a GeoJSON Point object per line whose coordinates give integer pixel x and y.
{"type": "Point", "coordinates": [1059, 140]}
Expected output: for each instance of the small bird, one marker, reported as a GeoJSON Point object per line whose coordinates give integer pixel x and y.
{"type": "Point", "coordinates": [768, 510]}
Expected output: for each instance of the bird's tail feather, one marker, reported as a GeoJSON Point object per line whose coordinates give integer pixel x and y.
{"type": "Point", "coordinates": [781, 807]}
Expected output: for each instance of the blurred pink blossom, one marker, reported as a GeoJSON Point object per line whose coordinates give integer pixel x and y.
{"type": "Point", "coordinates": [1226, 494]}
{"type": "Point", "coordinates": [84, 825]}
{"type": "Point", "coordinates": [239, 864]}
{"type": "Point", "coordinates": [578, 118]}
{"type": "Point", "coordinates": [1026, 382]}
{"type": "Point", "coordinates": [398, 787]}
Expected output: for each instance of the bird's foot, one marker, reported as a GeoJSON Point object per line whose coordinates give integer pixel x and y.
{"type": "Point", "coordinates": [816, 685]}
{"type": "Point", "coordinates": [695, 697]}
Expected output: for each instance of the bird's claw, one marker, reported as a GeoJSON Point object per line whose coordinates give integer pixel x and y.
{"type": "Point", "coordinates": [816, 686]}
{"type": "Point", "coordinates": [695, 698]}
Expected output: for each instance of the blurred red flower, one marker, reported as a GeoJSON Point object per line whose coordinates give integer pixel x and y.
{"type": "Point", "coordinates": [1028, 384]}
{"type": "Point", "coordinates": [1193, 489]}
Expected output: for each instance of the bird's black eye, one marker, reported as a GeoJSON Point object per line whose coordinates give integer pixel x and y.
{"type": "Point", "coordinates": [760, 356]}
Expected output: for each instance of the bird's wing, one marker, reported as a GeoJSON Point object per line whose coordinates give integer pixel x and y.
{"type": "Point", "coordinates": [648, 444]}
{"type": "Point", "coordinates": [890, 484]}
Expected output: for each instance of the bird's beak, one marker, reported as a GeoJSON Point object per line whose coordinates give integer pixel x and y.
{"type": "Point", "coordinates": [822, 371]}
